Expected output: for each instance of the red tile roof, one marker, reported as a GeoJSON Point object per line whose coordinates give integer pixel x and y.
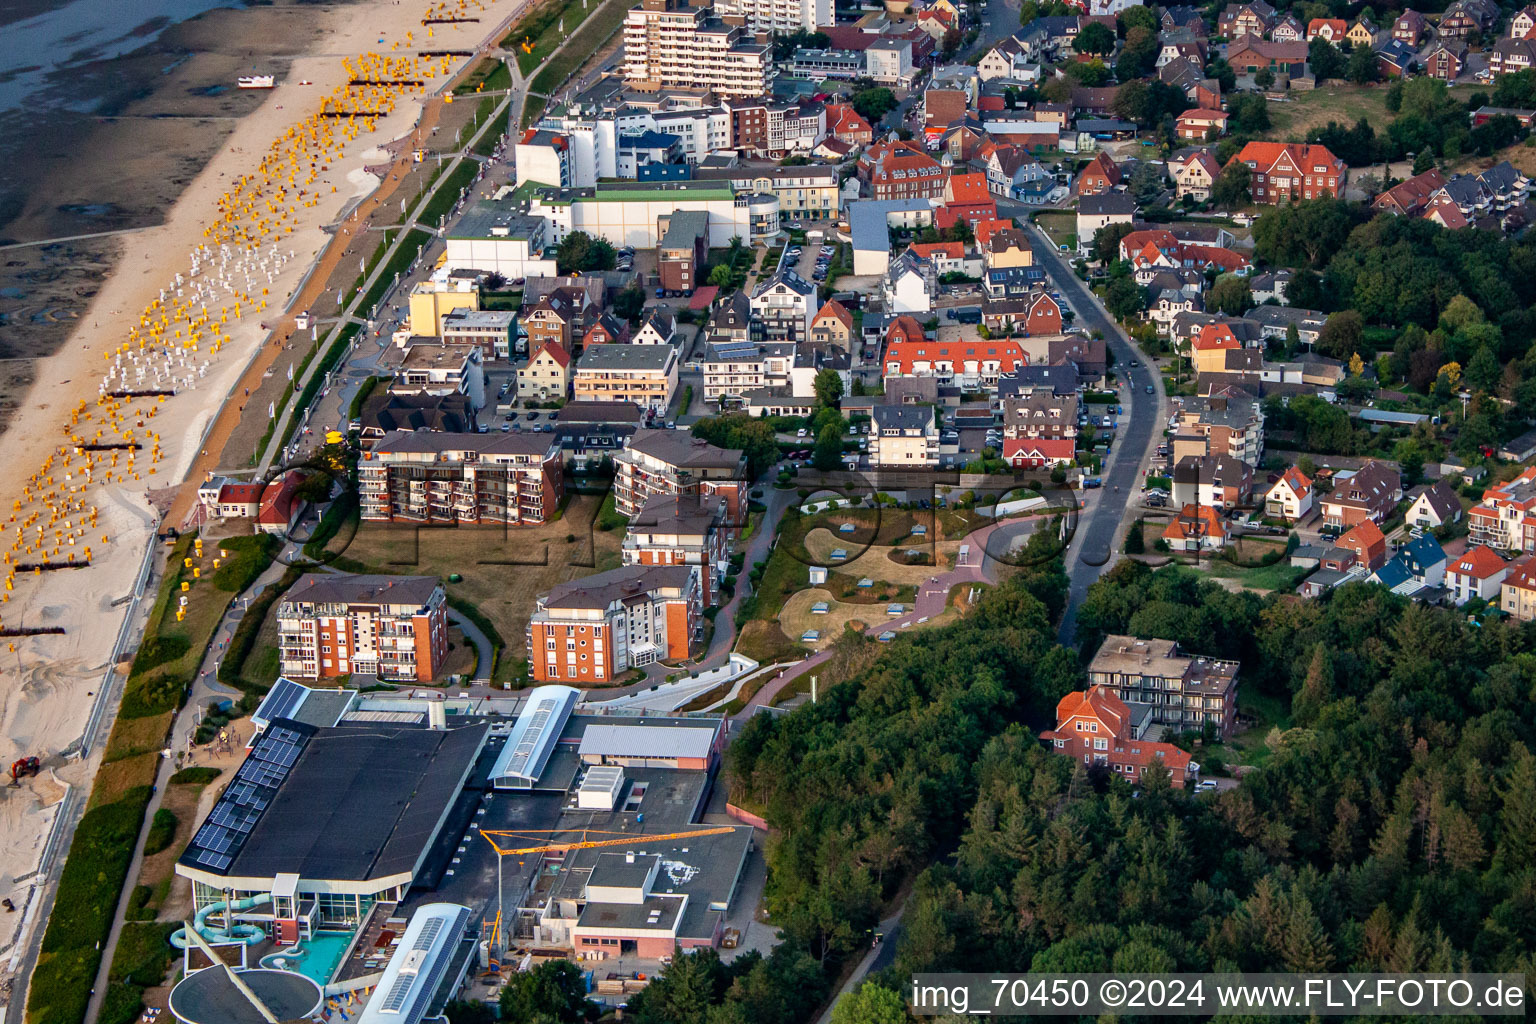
{"type": "Point", "coordinates": [968, 188]}
{"type": "Point", "coordinates": [1039, 449]}
{"type": "Point", "coordinates": [1216, 336]}
{"type": "Point", "coordinates": [902, 356]}
{"type": "Point", "coordinates": [1479, 563]}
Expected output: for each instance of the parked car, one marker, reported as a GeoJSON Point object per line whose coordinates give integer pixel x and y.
{"type": "Point", "coordinates": [1149, 389]}
{"type": "Point", "coordinates": [1205, 787]}
{"type": "Point", "coordinates": [1091, 482]}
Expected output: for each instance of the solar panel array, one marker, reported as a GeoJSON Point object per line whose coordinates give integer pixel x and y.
{"type": "Point", "coordinates": [281, 701]}
{"type": "Point", "coordinates": [229, 824]}
{"type": "Point", "coordinates": [411, 979]}
{"type": "Point", "coordinates": [534, 747]}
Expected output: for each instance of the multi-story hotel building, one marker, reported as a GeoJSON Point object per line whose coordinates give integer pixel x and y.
{"type": "Point", "coordinates": [663, 462]}
{"type": "Point", "coordinates": [1183, 691]}
{"type": "Point", "coordinates": [333, 624]}
{"type": "Point", "coordinates": [593, 629]}
{"type": "Point", "coordinates": [1506, 517]}
{"type": "Point", "coordinates": [669, 44]}
{"type": "Point", "coordinates": [777, 16]}
{"type": "Point", "coordinates": [673, 529]}
{"type": "Point", "coordinates": [431, 477]}
{"type": "Point", "coordinates": [643, 374]}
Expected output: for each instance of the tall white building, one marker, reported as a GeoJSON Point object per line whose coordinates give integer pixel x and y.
{"type": "Point", "coordinates": [774, 16]}
{"type": "Point", "coordinates": [670, 45]}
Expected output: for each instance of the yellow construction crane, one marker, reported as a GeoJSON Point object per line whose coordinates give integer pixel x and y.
{"type": "Point", "coordinates": [495, 927]}
{"type": "Point", "coordinates": [584, 843]}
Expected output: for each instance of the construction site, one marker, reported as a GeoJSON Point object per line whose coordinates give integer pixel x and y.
{"type": "Point", "coordinates": [527, 829]}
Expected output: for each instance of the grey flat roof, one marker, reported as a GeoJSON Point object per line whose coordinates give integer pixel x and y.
{"type": "Point", "coordinates": [210, 997]}
{"type": "Point", "coordinates": [626, 357]}
{"type": "Point", "coordinates": [645, 740]}
{"type": "Point", "coordinates": [479, 220]}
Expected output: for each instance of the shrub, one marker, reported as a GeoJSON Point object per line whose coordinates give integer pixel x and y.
{"type": "Point", "coordinates": [162, 830]}
{"type": "Point", "coordinates": [1134, 542]}
{"type": "Point", "coordinates": [244, 640]}
{"type": "Point", "coordinates": [159, 650]}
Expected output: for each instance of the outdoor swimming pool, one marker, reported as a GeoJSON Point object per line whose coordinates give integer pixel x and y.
{"type": "Point", "coordinates": [317, 958]}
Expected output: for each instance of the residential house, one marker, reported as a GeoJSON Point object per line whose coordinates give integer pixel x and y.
{"type": "Point", "coordinates": [1367, 542]}
{"type": "Point", "coordinates": [1446, 60]}
{"type": "Point", "coordinates": [1522, 23]}
{"type": "Point", "coordinates": [1465, 17]}
{"type": "Point", "coordinates": [968, 364]}
{"type": "Point", "coordinates": [555, 317]}
{"type": "Point", "coordinates": [1100, 729]}
{"type": "Point", "coordinates": [1411, 197]}
{"type": "Point", "coordinates": [547, 376]}
{"type": "Point", "coordinates": [1288, 172]}
{"type": "Point", "coordinates": [1290, 498]}
{"type": "Point", "coordinates": [1217, 480]}
{"type": "Point", "coordinates": [1331, 29]}
{"type": "Point", "coordinates": [1040, 414]}
{"type": "Point", "coordinates": [1201, 125]}
{"type": "Point", "coordinates": [1196, 529]}
{"type": "Point", "coordinates": [1275, 322]}
{"type": "Point", "coordinates": [1423, 560]}
{"type": "Point", "coordinates": [1186, 17]}
{"type": "Point", "coordinates": [1101, 175]}
{"type": "Point", "coordinates": [1270, 286]}
{"type": "Point", "coordinates": [1506, 516]}
{"type": "Point", "coordinates": [659, 328]}
{"type": "Point", "coordinates": [948, 258]}
{"type": "Point", "coordinates": [909, 284]}
{"type": "Point", "coordinates": [1477, 574]}
{"type": "Point", "coordinates": [1410, 28]}
{"type": "Point", "coordinates": [1184, 691]}
{"type": "Point", "coordinates": [1194, 174]}
{"type": "Point", "coordinates": [786, 304]}
{"type": "Point", "coordinates": [732, 369]}
{"type": "Point", "coordinates": [1517, 593]}
{"type": "Point", "coordinates": [1039, 453]}
{"type": "Point", "coordinates": [1511, 55]}
{"type": "Point", "coordinates": [1007, 247]}
{"type": "Point", "coordinates": [1035, 312]}
{"type": "Point", "coordinates": [1288, 30]}
{"type": "Point", "coordinates": [845, 124]}
{"type": "Point", "coordinates": [1395, 59]}
{"type": "Point", "coordinates": [1014, 174]}
{"type": "Point", "coordinates": [966, 198]}
{"type": "Point", "coordinates": [1100, 211]}
{"type": "Point", "coordinates": [903, 437]}
{"type": "Point", "coordinates": [1209, 349]}
{"type": "Point", "coordinates": [1228, 421]}
{"type": "Point", "coordinates": [1370, 492]}
{"type": "Point", "coordinates": [1011, 59]}
{"type": "Point", "coordinates": [1250, 19]}
{"type": "Point", "coordinates": [1433, 506]}
{"type": "Point", "coordinates": [1366, 33]}
{"type": "Point", "coordinates": [607, 329]}
{"type": "Point", "coordinates": [833, 325]}
{"type": "Point", "coordinates": [1252, 54]}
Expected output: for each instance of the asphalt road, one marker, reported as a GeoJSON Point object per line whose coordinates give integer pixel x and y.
{"type": "Point", "coordinates": [1094, 543]}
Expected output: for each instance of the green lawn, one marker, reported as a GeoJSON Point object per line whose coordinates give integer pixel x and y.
{"type": "Point", "coordinates": [1346, 104]}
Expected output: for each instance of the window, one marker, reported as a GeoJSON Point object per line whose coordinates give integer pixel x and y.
{"type": "Point", "coordinates": [1101, 744]}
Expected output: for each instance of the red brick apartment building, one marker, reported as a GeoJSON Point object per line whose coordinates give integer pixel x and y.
{"type": "Point", "coordinates": [1099, 728]}
{"type": "Point", "coordinates": [394, 627]}
{"type": "Point", "coordinates": [901, 170]}
{"type": "Point", "coordinates": [1371, 492]}
{"type": "Point", "coordinates": [675, 462]}
{"type": "Point", "coordinates": [594, 629]}
{"type": "Point", "coordinates": [432, 477]}
{"type": "Point", "coordinates": [1288, 172]}
{"type": "Point", "coordinates": [674, 529]}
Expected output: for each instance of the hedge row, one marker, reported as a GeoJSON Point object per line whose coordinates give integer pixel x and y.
{"type": "Point", "coordinates": [244, 638]}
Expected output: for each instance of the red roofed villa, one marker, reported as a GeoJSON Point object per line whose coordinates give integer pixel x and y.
{"type": "Point", "coordinates": [1101, 729]}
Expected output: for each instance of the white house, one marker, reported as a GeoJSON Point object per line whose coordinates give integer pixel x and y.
{"type": "Point", "coordinates": [1434, 506]}
{"type": "Point", "coordinates": [908, 286]}
{"type": "Point", "coordinates": [1478, 573]}
{"type": "Point", "coordinates": [1291, 497]}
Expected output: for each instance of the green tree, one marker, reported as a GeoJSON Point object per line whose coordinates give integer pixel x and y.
{"type": "Point", "coordinates": [720, 276]}
{"type": "Point", "coordinates": [1124, 298]}
{"type": "Point", "coordinates": [1232, 187]}
{"type": "Point", "coordinates": [1361, 68]}
{"type": "Point", "coordinates": [871, 1004]}
{"type": "Point", "coordinates": [629, 303]}
{"type": "Point", "coordinates": [1137, 17]}
{"type": "Point", "coordinates": [1231, 295]}
{"type": "Point", "coordinates": [1264, 78]}
{"type": "Point", "coordinates": [1138, 56]}
{"type": "Point", "coordinates": [1225, 76]}
{"type": "Point", "coordinates": [828, 386]}
{"type": "Point", "coordinates": [828, 453]}
{"type": "Point", "coordinates": [1094, 38]}
{"type": "Point", "coordinates": [1106, 242]}
{"type": "Point", "coordinates": [1341, 334]}
{"type": "Point", "coordinates": [754, 437]}
{"type": "Point", "coordinates": [1484, 371]}
{"type": "Point", "coordinates": [1292, 340]}
{"type": "Point", "coordinates": [579, 253]}
{"type": "Point", "coordinates": [1249, 113]}
{"type": "Point", "coordinates": [1325, 59]}
{"type": "Point", "coordinates": [554, 989]}
{"type": "Point", "coordinates": [874, 104]}
{"type": "Point", "coordinates": [1316, 689]}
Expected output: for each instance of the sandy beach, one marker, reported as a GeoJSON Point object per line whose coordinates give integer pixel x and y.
{"type": "Point", "coordinates": [50, 680]}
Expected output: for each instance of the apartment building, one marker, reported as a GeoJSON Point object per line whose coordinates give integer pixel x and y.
{"type": "Point", "coordinates": [433, 369]}
{"type": "Point", "coordinates": [488, 330]}
{"type": "Point", "coordinates": [1215, 480]}
{"type": "Point", "coordinates": [903, 437]}
{"type": "Point", "coordinates": [431, 477]}
{"type": "Point", "coordinates": [669, 44]}
{"type": "Point", "coordinates": [682, 250]}
{"type": "Point", "coordinates": [1040, 414]}
{"type": "Point", "coordinates": [594, 629]}
{"type": "Point", "coordinates": [1517, 592]}
{"type": "Point", "coordinates": [1288, 172]}
{"type": "Point", "coordinates": [1100, 729]}
{"type": "Point", "coordinates": [336, 624]}
{"type": "Point", "coordinates": [1227, 422]}
{"type": "Point", "coordinates": [731, 369]}
{"type": "Point", "coordinates": [777, 16]}
{"type": "Point", "coordinates": [808, 191]}
{"type": "Point", "coordinates": [901, 170]}
{"type": "Point", "coordinates": [557, 316]}
{"type": "Point", "coordinates": [1505, 519]}
{"type": "Point", "coordinates": [663, 462]}
{"type": "Point", "coordinates": [1371, 492]}
{"type": "Point", "coordinates": [967, 364]}
{"type": "Point", "coordinates": [786, 304]}
{"type": "Point", "coordinates": [682, 529]}
{"type": "Point", "coordinates": [643, 374]}
{"type": "Point", "coordinates": [1184, 691]}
